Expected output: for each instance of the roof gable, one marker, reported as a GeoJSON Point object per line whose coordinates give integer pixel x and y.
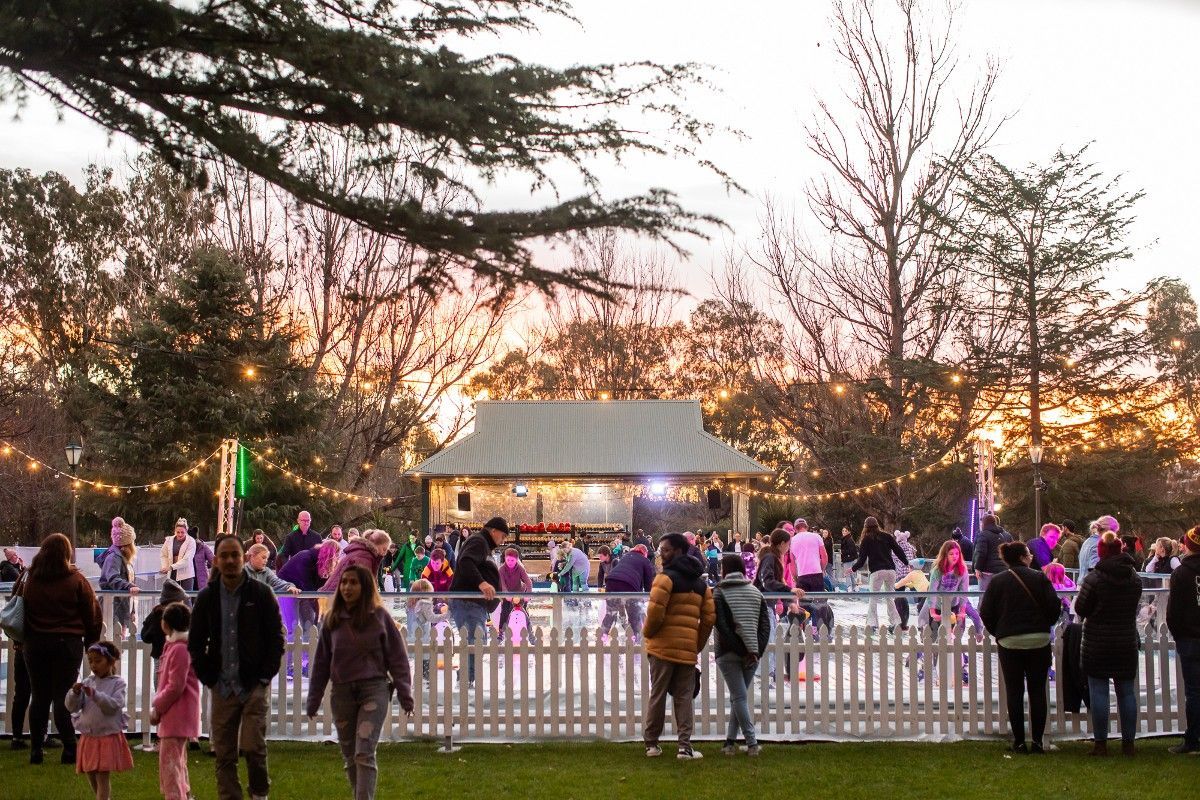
{"type": "Point", "coordinates": [575, 438]}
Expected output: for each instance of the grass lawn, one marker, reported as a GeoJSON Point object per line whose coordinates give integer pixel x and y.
{"type": "Point", "coordinates": [581, 770]}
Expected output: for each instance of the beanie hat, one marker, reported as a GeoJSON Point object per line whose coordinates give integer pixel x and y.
{"type": "Point", "coordinates": [497, 524]}
{"type": "Point", "coordinates": [126, 536]}
{"type": "Point", "coordinates": [902, 536]}
{"type": "Point", "coordinates": [1109, 523]}
{"type": "Point", "coordinates": [172, 592]}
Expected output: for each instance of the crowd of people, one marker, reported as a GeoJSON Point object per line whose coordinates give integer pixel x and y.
{"type": "Point", "coordinates": [232, 636]}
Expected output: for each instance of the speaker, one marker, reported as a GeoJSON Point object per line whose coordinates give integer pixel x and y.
{"type": "Point", "coordinates": [464, 501]}
{"type": "Point", "coordinates": [714, 499]}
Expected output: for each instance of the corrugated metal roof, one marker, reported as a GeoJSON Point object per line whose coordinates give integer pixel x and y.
{"type": "Point", "coordinates": [550, 438]}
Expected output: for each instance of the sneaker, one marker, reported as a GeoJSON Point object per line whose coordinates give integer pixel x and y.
{"type": "Point", "coordinates": [1036, 749]}
{"type": "Point", "coordinates": [1019, 749]}
{"type": "Point", "coordinates": [67, 757]}
{"type": "Point", "coordinates": [686, 753]}
{"type": "Point", "coordinates": [36, 757]}
{"type": "Point", "coordinates": [653, 751]}
{"type": "Point", "coordinates": [753, 750]}
{"type": "Point", "coordinates": [729, 750]}
{"type": "Point", "coordinates": [1184, 749]}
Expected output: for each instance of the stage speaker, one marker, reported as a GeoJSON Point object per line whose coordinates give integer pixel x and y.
{"type": "Point", "coordinates": [464, 501]}
{"type": "Point", "coordinates": [714, 499]}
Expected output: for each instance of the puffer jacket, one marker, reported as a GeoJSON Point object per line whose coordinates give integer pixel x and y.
{"type": "Point", "coordinates": [680, 614]}
{"type": "Point", "coordinates": [743, 622]}
{"type": "Point", "coordinates": [1108, 604]}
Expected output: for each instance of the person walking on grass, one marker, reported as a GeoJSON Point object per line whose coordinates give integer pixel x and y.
{"type": "Point", "coordinates": [1107, 603]}
{"type": "Point", "coordinates": [176, 706]}
{"type": "Point", "coordinates": [362, 653]}
{"type": "Point", "coordinates": [236, 645]}
{"type": "Point", "coordinates": [97, 707]}
{"type": "Point", "coordinates": [743, 627]}
{"type": "Point", "coordinates": [1020, 608]}
{"type": "Point", "coordinates": [679, 619]}
{"type": "Point", "coordinates": [1183, 620]}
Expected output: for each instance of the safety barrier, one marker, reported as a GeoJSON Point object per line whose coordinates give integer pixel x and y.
{"type": "Point", "coordinates": [562, 678]}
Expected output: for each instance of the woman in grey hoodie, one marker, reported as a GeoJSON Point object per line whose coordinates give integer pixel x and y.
{"type": "Point", "coordinates": [743, 629]}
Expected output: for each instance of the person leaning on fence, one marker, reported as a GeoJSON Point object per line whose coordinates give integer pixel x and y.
{"type": "Point", "coordinates": [360, 648]}
{"type": "Point", "coordinates": [117, 574]}
{"type": "Point", "coordinates": [1019, 608]}
{"type": "Point", "coordinates": [236, 645]}
{"type": "Point", "coordinates": [1107, 603]}
{"type": "Point", "coordinates": [1183, 620]}
{"type": "Point", "coordinates": [513, 578]}
{"type": "Point", "coordinates": [679, 619]}
{"type": "Point", "coordinates": [476, 572]}
{"type": "Point", "coordinates": [743, 627]}
{"type": "Point", "coordinates": [177, 556]}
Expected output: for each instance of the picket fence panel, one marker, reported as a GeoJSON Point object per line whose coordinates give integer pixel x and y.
{"type": "Point", "coordinates": [558, 685]}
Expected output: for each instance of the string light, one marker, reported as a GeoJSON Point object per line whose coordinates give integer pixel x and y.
{"type": "Point", "coordinates": [36, 463]}
{"type": "Point", "coordinates": [945, 460]}
{"type": "Point", "coordinates": [320, 488]}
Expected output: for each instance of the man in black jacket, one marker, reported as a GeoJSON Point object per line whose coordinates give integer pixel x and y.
{"type": "Point", "coordinates": [301, 538]}
{"type": "Point", "coordinates": [987, 560]}
{"type": "Point", "coordinates": [476, 572]}
{"type": "Point", "coordinates": [236, 644]}
{"type": "Point", "coordinates": [1183, 620]}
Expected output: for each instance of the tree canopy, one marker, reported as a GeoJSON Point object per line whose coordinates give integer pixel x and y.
{"type": "Point", "coordinates": [259, 84]}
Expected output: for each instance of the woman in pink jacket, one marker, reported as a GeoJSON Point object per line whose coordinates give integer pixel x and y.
{"type": "Point", "coordinates": [176, 708]}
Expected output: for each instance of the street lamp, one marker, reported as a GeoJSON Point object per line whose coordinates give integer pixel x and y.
{"type": "Point", "coordinates": [1035, 456]}
{"type": "Point", "coordinates": [74, 452]}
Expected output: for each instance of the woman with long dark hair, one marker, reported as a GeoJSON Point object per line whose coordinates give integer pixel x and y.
{"type": "Point", "coordinates": [1020, 608]}
{"type": "Point", "coordinates": [61, 617]}
{"type": "Point", "coordinates": [876, 550]}
{"type": "Point", "coordinates": [769, 578]}
{"type": "Point", "coordinates": [359, 649]}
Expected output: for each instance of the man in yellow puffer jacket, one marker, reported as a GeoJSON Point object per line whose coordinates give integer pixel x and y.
{"type": "Point", "coordinates": [679, 619]}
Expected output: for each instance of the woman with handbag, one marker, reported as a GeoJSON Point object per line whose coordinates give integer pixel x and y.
{"type": "Point", "coordinates": [1020, 608]}
{"type": "Point", "coordinates": [61, 617]}
{"type": "Point", "coordinates": [359, 649]}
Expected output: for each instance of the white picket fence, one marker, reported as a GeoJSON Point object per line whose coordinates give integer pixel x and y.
{"type": "Point", "coordinates": [552, 687]}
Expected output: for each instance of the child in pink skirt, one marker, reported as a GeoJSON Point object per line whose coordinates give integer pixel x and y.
{"type": "Point", "coordinates": [97, 708]}
{"type": "Point", "coordinates": [176, 707]}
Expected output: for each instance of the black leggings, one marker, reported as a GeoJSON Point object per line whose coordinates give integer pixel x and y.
{"type": "Point", "coordinates": [1026, 669]}
{"type": "Point", "coordinates": [21, 693]}
{"type": "Point", "coordinates": [53, 661]}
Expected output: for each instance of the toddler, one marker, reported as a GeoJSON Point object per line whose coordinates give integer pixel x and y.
{"type": "Point", "coordinates": [97, 707]}
{"type": "Point", "coordinates": [421, 618]}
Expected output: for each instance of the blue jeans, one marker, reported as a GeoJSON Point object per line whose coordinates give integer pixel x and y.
{"type": "Point", "coordinates": [1188, 651]}
{"type": "Point", "coordinates": [1126, 707]}
{"type": "Point", "coordinates": [472, 616]}
{"type": "Point", "coordinates": [738, 678]}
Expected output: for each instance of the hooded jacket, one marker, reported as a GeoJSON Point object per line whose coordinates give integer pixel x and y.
{"type": "Point", "coordinates": [743, 622]}
{"type": "Point", "coordinates": [177, 701]}
{"type": "Point", "coordinates": [1183, 603]}
{"type": "Point", "coordinates": [360, 552]}
{"type": "Point", "coordinates": [440, 578]}
{"type": "Point", "coordinates": [1108, 603]}
{"type": "Point", "coordinates": [152, 631]}
{"type": "Point", "coordinates": [680, 614]}
{"type": "Point", "coordinates": [987, 550]}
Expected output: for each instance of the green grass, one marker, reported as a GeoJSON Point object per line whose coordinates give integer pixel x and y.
{"type": "Point", "coordinates": [877, 771]}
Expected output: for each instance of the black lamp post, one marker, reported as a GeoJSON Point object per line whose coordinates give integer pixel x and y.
{"type": "Point", "coordinates": [1035, 456]}
{"type": "Point", "coordinates": [74, 452]}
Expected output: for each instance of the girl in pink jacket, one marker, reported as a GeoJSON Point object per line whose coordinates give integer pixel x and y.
{"type": "Point", "coordinates": [176, 708]}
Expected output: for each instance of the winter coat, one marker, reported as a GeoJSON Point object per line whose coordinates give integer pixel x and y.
{"type": "Point", "coordinates": [633, 573]}
{"type": "Point", "coordinates": [360, 552]}
{"type": "Point", "coordinates": [768, 578]}
{"type": "Point", "coordinates": [743, 623]}
{"type": "Point", "coordinates": [879, 552]}
{"type": "Point", "coordinates": [301, 570]}
{"type": "Point", "coordinates": [65, 606]}
{"type": "Point", "coordinates": [296, 543]}
{"type": "Point", "coordinates": [472, 568]}
{"type": "Point", "coordinates": [177, 701]}
{"type": "Point", "coordinates": [267, 576]}
{"type": "Point", "coordinates": [987, 550]}
{"type": "Point", "coordinates": [1107, 603]}
{"type": "Point", "coordinates": [440, 578]}
{"type": "Point", "coordinates": [202, 563]}
{"type": "Point", "coordinates": [1007, 609]}
{"type": "Point", "coordinates": [1183, 602]}
{"type": "Point", "coordinates": [680, 614]}
{"type": "Point", "coordinates": [260, 634]}
{"type": "Point", "coordinates": [849, 550]}
{"type": "Point", "coordinates": [184, 567]}
{"type": "Point", "coordinates": [1068, 550]}
{"type": "Point", "coordinates": [966, 546]}
{"type": "Point", "coordinates": [415, 567]}
{"type": "Point", "coordinates": [1041, 552]}
{"type": "Point", "coordinates": [515, 579]}
{"type": "Point", "coordinates": [910, 555]}
{"type": "Point", "coordinates": [152, 632]}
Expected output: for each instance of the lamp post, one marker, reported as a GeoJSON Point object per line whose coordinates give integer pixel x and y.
{"type": "Point", "coordinates": [74, 453]}
{"type": "Point", "coordinates": [1035, 456]}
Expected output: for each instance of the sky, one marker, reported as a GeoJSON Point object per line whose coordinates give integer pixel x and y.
{"type": "Point", "coordinates": [1118, 73]}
